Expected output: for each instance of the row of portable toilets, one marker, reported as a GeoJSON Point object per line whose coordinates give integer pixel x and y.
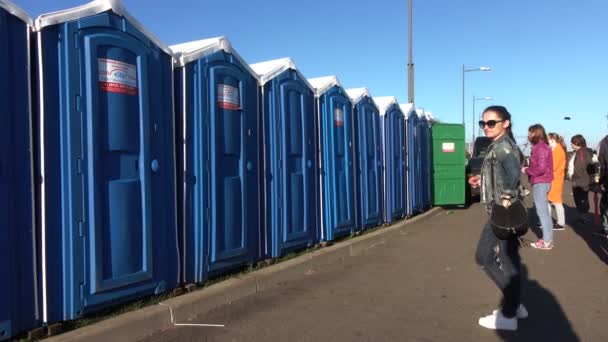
{"type": "Point", "coordinates": [97, 116]}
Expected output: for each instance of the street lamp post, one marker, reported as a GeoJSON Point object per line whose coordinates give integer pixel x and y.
{"type": "Point", "coordinates": [485, 98]}
{"type": "Point", "coordinates": [410, 64]}
{"type": "Point", "coordinates": [465, 70]}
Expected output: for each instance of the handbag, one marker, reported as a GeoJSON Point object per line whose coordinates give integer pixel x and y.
{"type": "Point", "coordinates": [511, 222]}
{"type": "Point", "coordinates": [508, 222]}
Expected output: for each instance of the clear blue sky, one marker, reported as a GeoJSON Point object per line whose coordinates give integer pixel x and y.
{"type": "Point", "coordinates": [550, 57]}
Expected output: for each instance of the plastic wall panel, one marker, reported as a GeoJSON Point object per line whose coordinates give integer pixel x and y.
{"type": "Point", "coordinates": [18, 296]}
{"type": "Point", "coordinates": [106, 126]}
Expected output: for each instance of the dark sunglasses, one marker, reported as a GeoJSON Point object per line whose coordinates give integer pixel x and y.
{"type": "Point", "coordinates": [489, 123]}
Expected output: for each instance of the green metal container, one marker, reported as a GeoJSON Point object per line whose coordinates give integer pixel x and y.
{"type": "Point", "coordinates": [448, 164]}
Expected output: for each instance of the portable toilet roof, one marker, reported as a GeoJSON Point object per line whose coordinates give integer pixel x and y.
{"type": "Point", "coordinates": [384, 103]}
{"type": "Point", "coordinates": [16, 11]}
{"type": "Point", "coordinates": [420, 112]}
{"type": "Point", "coordinates": [406, 108]}
{"type": "Point", "coordinates": [423, 114]}
{"type": "Point", "coordinates": [191, 51]}
{"type": "Point", "coordinates": [268, 70]}
{"type": "Point", "coordinates": [93, 8]}
{"type": "Point", "coordinates": [357, 94]}
{"type": "Point", "coordinates": [323, 84]}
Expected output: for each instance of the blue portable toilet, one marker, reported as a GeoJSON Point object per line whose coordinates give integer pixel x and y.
{"type": "Point", "coordinates": [107, 160]}
{"type": "Point", "coordinates": [368, 158]}
{"type": "Point", "coordinates": [430, 122]}
{"type": "Point", "coordinates": [392, 129]}
{"type": "Point", "coordinates": [414, 176]}
{"type": "Point", "coordinates": [336, 155]}
{"type": "Point", "coordinates": [410, 158]}
{"type": "Point", "coordinates": [425, 159]}
{"type": "Point", "coordinates": [18, 288]}
{"type": "Point", "coordinates": [290, 190]}
{"type": "Point", "coordinates": [216, 105]}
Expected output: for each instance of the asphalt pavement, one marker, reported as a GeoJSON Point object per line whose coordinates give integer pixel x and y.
{"type": "Point", "coordinates": [419, 282]}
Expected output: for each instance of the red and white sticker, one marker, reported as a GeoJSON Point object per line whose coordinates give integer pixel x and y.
{"type": "Point", "coordinates": [339, 117]}
{"type": "Point", "coordinates": [228, 97]}
{"type": "Point", "coordinates": [117, 77]}
{"type": "Point", "coordinates": [448, 147]}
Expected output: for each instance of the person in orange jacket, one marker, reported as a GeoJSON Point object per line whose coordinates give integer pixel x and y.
{"type": "Point", "coordinates": [556, 142]}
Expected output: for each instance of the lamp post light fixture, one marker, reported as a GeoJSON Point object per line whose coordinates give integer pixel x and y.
{"type": "Point", "coordinates": [567, 117]}
{"type": "Point", "coordinates": [485, 98]}
{"type": "Point", "coordinates": [465, 70]}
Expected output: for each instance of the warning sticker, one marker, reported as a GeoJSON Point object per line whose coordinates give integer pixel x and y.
{"type": "Point", "coordinates": [117, 77]}
{"type": "Point", "coordinates": [338, 117]}
{"type": "Point", "coordinates": [228, 97]}
{"type": "Point", "coordinates": [448, 147]}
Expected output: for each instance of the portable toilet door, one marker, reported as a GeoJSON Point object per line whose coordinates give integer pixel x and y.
{"type": "Point", "coordinates": [290, 190]}
{"type": "Point", "coordinates": [430, 122]}
{"type": "Point", "coordinates": [414, 169]}
{"type": "Point", "coordinates": [425, 161]}
{"type": "Point", "coordinates": [392, 128]}
{"type": "Point", "coordinates": [406, 109]}
{"type": "Point", "coordinates": [336, 154]}
{"type": "Point", "coordinates": [217, 112]}
{"type": "Point", "coordinates": [18, 288]}
{"type": "Point", "coordinates": [107, 160]}
{"type": "Point", "coordinates": [419, 165]}
{"type": "Point", "coordinates": [368, 158]}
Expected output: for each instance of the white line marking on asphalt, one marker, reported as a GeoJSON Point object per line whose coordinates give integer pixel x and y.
{"type": "Point", "coordinates": [189, 324]}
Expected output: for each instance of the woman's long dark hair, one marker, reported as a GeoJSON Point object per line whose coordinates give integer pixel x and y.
{"type": "Point", "coordinates": [579, 140]}
{"type": "Point", "coordinates": [504, 115]}
{"type": "Point", "coordinates": [537, 133]}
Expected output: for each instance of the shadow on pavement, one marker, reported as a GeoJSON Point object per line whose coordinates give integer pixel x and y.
{"type": "Point", "coordinates": [547, 320]}
{"type": "Point", "coordinates": [533, 221]}
{"type": "Point", "coordinates": [597, 243]}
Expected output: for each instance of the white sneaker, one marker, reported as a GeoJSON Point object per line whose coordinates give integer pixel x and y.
{"type": "Point", "coordinates": [498, 322]}
{"type": "Point", "coordinates": [521, 313]}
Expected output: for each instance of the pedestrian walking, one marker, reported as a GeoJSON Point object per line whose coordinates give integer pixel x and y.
{"type": "Point", "coordinates": [540, 171]}
{"type": "Point", "coordinates": [603, 161]}
{"type": "Point", "coordinates": [499, 182]}
{"type": "Point", "coordinates": [558, 147]}
{"type": "Point", "coordinates": [579, 165]}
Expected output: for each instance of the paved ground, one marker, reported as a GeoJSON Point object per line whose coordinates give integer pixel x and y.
{"type": "Point", "coordinates": [420, 283]}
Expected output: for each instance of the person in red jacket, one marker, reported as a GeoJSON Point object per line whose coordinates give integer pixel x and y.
{"type": "Point", "coordinates": [541, 175]}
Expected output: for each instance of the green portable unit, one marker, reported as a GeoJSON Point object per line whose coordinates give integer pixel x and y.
{"type": "Point", "coordinates": [448, 164]}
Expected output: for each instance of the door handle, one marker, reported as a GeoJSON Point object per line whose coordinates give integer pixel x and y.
{"type": "Point", "coordinates": [154, 165]}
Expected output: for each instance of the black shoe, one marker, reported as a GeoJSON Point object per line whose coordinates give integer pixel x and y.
{"type": "Point", "coordinates": [558, 227]}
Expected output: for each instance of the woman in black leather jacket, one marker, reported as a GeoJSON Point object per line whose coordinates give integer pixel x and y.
{"type": "Point", "coordinates": [499, 183]}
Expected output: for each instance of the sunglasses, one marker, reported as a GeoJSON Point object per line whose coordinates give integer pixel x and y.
{"type": "Point", "coordinates": [489, 123]}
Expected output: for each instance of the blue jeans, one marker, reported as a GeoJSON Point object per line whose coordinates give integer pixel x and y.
{"type": "Point", "coordinates": [540, 192]}
{"type": "Point", "coordinates": [502, 266]}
